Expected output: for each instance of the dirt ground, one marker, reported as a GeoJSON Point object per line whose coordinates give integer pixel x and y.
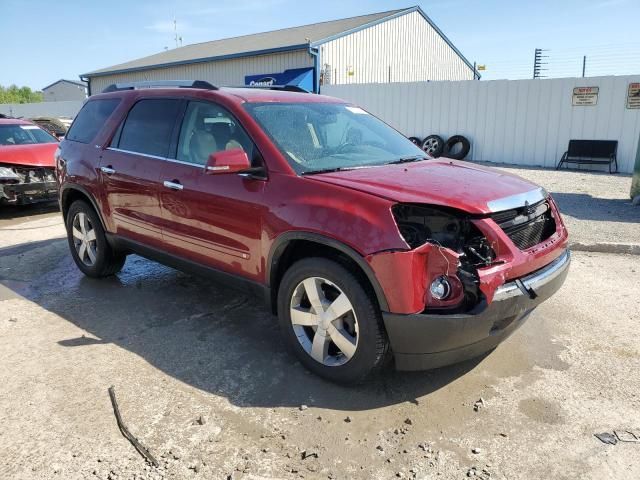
{"type": "Point", "coordinates": [204, 381]}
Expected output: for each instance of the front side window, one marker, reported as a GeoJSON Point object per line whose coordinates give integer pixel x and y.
{"type": "Point", "coordinates": [149, 126]}
{"type": "Point", "coordinates": [24, 135]}
{"type": "Point", "coordinates": [208, 128]}
{"type": "Point", "coordinates": [325, 136]}
{"type": "Point", "coordinates": [91, 119]}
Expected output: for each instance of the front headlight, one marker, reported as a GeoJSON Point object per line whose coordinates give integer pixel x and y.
{"type": "Point", "coordinates": [8, 175]}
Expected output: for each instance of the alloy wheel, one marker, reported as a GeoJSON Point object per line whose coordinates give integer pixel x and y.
{"type": "Point", "coordinates": [324, 321]}
{"type": "Point", "coordinates": [84, 239]}
{"type": "Point", "coordinates": [431, 146]}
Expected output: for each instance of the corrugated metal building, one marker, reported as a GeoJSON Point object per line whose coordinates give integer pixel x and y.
{"type": "Point", "coordinates": [394, 46]}
{"type": "Point", "coordinates": [64, 91]}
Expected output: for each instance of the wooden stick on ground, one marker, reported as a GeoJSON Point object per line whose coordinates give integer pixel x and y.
{"type": "Point", "coordinates": [127, 434]}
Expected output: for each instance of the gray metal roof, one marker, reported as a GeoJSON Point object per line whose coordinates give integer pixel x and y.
{"type": "Point", "coordinates": [75, 82]}
{"type": "Point", "coordinates": [267, 42]}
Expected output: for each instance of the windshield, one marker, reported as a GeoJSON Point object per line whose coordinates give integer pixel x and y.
{"type": "Point", "coordinates": [24, 135]}
{"type": "Point", "coordinates": [316, 137]}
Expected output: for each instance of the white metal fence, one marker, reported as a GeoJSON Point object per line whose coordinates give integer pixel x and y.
{"type": "Point", "coordinates": [42, 109]}
{"type": "Point", "coordinates": [525, 122]}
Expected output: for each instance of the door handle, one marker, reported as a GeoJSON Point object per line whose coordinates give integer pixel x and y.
{"type": "Point", "coordinates": [108, 170]}
{"type": "Point", "coordinates": [173, 185]}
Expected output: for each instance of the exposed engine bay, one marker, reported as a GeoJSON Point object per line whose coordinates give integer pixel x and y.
{"type": "Point", "coordinates": [448, 229]}
{"type": "Point", "coordinates": [25, 184]}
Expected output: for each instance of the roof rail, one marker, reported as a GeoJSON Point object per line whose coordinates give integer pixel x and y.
{"type": "Point", "coordinates": [115, 87]}
{"type": "Point", "coordinates": [287, 88]}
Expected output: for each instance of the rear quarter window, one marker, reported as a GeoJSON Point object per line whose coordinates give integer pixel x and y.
{"type": "Point", "coordinates": [91, 119]}
{"type": "Point", "coordinates": [149, 126]}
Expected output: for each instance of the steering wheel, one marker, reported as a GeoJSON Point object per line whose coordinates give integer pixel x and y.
{"type": "Point", "coordinates": [345, 146]}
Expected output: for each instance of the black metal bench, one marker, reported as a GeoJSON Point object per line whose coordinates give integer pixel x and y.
{"type": "Point", "coordinates": [601, 152]}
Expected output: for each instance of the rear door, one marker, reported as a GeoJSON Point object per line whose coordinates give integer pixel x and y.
{"type": "Point", "coordinates": [213, 220]}
{"type": "Point", "coordinates": [130, 168]}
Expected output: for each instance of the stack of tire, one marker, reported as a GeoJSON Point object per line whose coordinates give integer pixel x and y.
{"type": "Point", "coordinates": [456, 147]}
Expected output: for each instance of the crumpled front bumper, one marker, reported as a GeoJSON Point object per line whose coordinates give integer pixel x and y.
{"type": "Point", "coordinates": [24, 193]}
{"type": "Point", "coordinates": [424, 341]}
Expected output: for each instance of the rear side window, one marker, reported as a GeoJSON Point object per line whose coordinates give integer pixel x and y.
{"type": "Point", "coordinates": [149, 126]}
{"type": "Point", "coordinates": [90, 119]}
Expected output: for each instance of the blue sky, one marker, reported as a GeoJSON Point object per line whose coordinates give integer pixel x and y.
{"type": "Point", "coordinates": [42, 41]}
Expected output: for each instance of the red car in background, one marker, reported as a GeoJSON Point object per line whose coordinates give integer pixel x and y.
{"type": "Point", "coordinates": [27, 164]}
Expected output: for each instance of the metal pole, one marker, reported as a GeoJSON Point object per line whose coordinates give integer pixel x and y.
{"type": "Point", "coordinates": [474, 70]}
{"type": "Point", "coordinates": [635, 182]}
{"type": "Point", "coordinates": [584, 65]}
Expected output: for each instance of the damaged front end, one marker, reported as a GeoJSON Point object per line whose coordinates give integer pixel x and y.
{"type": "Point", "coordinates": [447, 249]}
{"type": "Point", "coordinates": [467, 281]}
{"type": "Point", "coordinates": [26, 184]}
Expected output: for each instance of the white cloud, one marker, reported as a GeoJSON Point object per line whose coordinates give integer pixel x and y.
{"type": "Point", "coordinates": [166, 26]}
{"type": "Point", "coordinates": [229, 6]}
{"type": "Point", "coordinates": [162, 27]}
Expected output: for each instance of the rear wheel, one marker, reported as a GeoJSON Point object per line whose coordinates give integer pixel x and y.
{"type": "Point", "coordinates": [331, 322]}
{"type": "Point", "coordinates": [89, 247]}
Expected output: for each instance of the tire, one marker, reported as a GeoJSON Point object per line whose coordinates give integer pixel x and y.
{"type": "Point", "coordinates": [98, 258]}
{"type": "Point", "coordinates": [362, 324]}
{"type": "Point", "coordinates": [451, 144]}
{"type": "Point", "coordinates": [415, 141]}
{"type": "Point", "coordinates": [433, 145]}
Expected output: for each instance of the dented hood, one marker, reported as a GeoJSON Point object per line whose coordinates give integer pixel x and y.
{"type": "Point", "coordinates": [33, 155]}
{"type": "Point", "coordinates": [462, 185]}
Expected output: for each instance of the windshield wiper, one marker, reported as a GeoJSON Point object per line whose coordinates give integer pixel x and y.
{"type": "Point", "coordinates": [414, 158]}
{"type": "Point", "coordinates": [326, 170]}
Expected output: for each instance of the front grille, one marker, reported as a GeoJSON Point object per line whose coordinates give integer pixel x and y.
{"type": "Point", "coordinates": [527, 226]}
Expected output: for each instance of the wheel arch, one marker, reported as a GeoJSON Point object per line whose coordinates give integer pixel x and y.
{"type": "Point", "coordinates": [282, 254]}
{"type": "Point", "coordinates": [71, 193]}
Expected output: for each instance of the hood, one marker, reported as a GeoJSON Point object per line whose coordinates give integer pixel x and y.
{"type": "Point", "coordinates": [34, 155]}
{"type": "Point", "coordinates": [462, 185]}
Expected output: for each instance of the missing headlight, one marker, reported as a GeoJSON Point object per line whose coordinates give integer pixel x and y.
{"type": "Point", "coordinates": [452, 229]}
{"type": "Point", "coordinates": [448, 228]}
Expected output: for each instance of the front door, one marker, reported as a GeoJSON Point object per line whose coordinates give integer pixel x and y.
{"type": "Point", "coordinates": [214, 220]}
{"type": "Point", "coordinates": [130, 169]}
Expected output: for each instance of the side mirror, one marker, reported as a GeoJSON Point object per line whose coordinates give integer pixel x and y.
{"type": "Point", "coordinates": [227, 161]}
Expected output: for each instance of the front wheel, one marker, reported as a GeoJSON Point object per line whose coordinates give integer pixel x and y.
{"type": "Point", "coordinates": [88, 244]}
{"type": "Point", "coordinates": [330, 320]}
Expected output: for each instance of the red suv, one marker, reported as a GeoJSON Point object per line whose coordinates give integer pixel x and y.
{"type": "Point", "coordinates": [362, 245]}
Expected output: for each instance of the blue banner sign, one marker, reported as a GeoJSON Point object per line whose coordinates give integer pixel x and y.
{"type": "Point", "coordinates": [301, 77]}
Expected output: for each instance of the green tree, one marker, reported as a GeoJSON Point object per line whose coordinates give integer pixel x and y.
{"type": "Point", "coordinates": [15, 94]}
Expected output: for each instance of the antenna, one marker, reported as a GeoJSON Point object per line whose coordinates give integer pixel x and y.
{"type": "Point", "coordinates": [538, 63]}
{"type": "Point", "coordinates": [175, 31]}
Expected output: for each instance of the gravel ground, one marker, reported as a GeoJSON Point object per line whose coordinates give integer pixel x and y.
{"type": "Point", "coordinates": [596, 206]}
{"type": "Point", "coordinates": [203, 380]}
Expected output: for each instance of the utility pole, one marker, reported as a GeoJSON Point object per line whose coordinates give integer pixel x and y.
{"type": "Point", "coordinates": [538, 63]}
{"type": "Point", "coordinates": [584, 65]}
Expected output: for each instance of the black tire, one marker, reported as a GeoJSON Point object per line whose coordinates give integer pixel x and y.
{"type": "Point", "coordinates": [416, 141]}
{"type": "Point", "coordinates": [372, 345]}
{"type": "Point", "coordinates": [107, 261]}
{"type": "Point", "coordinates": [433, 145]}
{"type": "Point", "coordinates": [450, 146]}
